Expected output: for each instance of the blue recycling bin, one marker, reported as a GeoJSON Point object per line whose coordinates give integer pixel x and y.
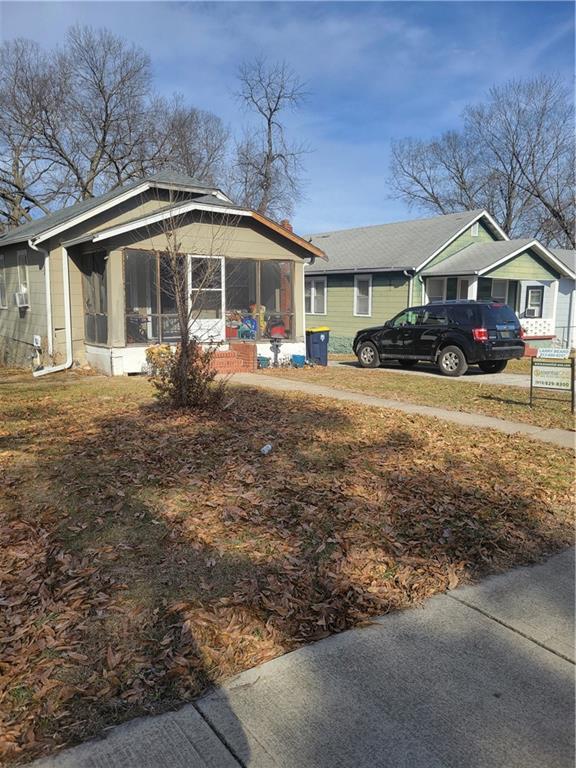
{"type": "Point", "coordinates": [317, 345]}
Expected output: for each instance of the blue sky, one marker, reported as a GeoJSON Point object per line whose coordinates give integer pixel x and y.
{"type": "Point", "coordinates": [375, 71]}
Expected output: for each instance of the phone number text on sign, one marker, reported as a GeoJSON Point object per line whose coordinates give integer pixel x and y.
{"type": "Point", "coordinates": [552, 375]}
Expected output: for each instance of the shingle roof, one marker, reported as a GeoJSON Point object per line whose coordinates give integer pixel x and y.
{"type": "Point", "coordinates": [566, 256]}
{"type": "Point", "coordinates": [38, 226]}
{"type": "Point", "coordinates": [397, 246]}
{"type": "Point", "coordinates": [476, 257]}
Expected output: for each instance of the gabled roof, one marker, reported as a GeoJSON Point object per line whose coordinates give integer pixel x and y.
{"type": "Point", "coordinates": [67, 217]}
{"type": "Point", "coordinates": [206, 203]}
{"type": "Point", "coordinates": [566, 256]}
{"type": "Point", "coordinates": [391, 247]}
{"type": "Point", "coordinates": [479, 258]}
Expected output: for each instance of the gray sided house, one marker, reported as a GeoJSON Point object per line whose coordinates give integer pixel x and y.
{"type": "Point", "coordinates": [88, 284]}
{"type": "Point", "coordinates": [372, 273]}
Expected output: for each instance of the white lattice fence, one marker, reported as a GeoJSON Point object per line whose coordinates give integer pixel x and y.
{"type": "Point", "coordinates": [538, 326]}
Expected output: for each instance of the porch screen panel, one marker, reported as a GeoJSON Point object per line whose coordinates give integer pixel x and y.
{"type": "Point", "coordinates": [206, 288]}
{"type": "Point", "coordinates": [243, 320]}
{"type": "Point", "coordinates": [141, 296]}
{"type": "Point", "coordinates": [95, 296]}
{"type": "Point", "coordinates": [276, 303]}
{"type": "Point", "coordinates": [172, 275]}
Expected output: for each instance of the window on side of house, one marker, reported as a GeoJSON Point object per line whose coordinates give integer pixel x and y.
{"type": "Point", "coordinates": [3, 293]}
{"type": "Point", "coordinates": [436, 289]}
{"type": "Point", "coordinates": [95, 294]}
{"type": "Point", "coordinates": [534, 301]}
{"type": "Point", "coordinates": [499, 291]}
{"type": "Point", "coordinates": [315, 295]}
{"type": "Point", "coordinates": [22, 270]}
{"type": "Point", "coordinates": [363, 295]}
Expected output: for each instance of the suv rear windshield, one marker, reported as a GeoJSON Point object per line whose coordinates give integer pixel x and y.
{"type": "Point", "coordinates": [496, 314]}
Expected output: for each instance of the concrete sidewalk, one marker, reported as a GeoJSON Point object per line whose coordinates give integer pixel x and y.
{"type": "Point", "coordinates": [478, 678]}
{"type": "Point", "coordinates": [474, 375]}
{"type": "Point", "coordinates": [561, 437]}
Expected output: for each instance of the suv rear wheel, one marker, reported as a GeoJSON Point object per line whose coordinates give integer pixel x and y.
{"type": "Point", "coordinates": [452, 361]}
{"type": "Point", "coordinates": [368, 355]}
{"type": "Point", "coordinates": [492, 366]}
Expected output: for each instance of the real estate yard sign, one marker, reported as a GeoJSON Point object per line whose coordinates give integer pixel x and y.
{"type": "Point", "coordinates": [552, 371]}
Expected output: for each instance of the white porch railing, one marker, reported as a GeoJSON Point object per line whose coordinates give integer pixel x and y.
{"type": "Point", "coordinates": [537, 326]}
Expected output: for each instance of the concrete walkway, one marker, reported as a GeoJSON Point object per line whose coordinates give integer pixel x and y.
{"type": "Point", "coordinates": [561, 437]}
{"type": "Point", "coordinates": [481, 677]}
{"type": "Point", "coordinates": [474, 375]}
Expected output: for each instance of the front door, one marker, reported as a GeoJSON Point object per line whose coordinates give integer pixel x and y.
{"type": "Point", "coordinates": [463, 286]}
{"type": "Point", "coordinates": [207, 312]}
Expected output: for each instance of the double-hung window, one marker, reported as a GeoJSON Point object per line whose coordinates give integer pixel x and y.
{"type": "Point", "coordinates": [315, 296]}
{"type": "Point", "coordinates": [534, 301]}
{"type": "Point", "coordinates": [3, 293]}
{"type": "Point", "coordinates": [362, 295]}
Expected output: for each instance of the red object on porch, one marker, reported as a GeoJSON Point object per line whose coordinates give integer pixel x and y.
{"type": "Point", "coordinates": [231, 332]}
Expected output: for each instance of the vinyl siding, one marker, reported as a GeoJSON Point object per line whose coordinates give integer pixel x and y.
{"type": "Point", "coordinates": [389, 296]}
{"type": "Point", "coordinates": [565, 311]}
{"type": "Point", "coordinates": [18, 326]}
{"type": "Point", "coordinates": [525, 266]}
{"type": "Point", "coordinates": [466, 238]}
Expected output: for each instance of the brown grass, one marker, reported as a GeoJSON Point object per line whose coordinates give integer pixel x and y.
{"type": "Point", "coordinates": [149, 553]}
{"type": "Point", "coordinates": [501, 401]}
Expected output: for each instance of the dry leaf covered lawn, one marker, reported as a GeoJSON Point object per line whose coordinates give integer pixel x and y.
{"type": "Point", "coordinates": [502, 402]}
{"type": "Point", "coordinates": [147, 554]}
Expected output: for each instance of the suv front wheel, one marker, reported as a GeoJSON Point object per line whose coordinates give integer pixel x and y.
{"type": "Point", "coordinates": [368, 355]}
{"type": "Point", "coordinates": [452, 362]}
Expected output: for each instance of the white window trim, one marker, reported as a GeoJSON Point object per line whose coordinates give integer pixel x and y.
{"type": "Point", "coordinates": [369, 279]}
{"type": "Point", "coordinates": [3, 282]}
{"type": "Point", "coordinates": [474, 229]}
{"type": "Point", "coordinates": [314, 280]}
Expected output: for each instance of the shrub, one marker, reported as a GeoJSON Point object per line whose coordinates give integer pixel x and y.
{"type": "Point", "coordinates": [185, 376]}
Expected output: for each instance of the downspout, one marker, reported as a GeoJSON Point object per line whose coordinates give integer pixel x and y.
{"type": "Point", "coordinates": [67, 321]}
{"type": "Point", "coordinates": [407, 274]}
{"type": "Point", "coordinates": [44, 252]}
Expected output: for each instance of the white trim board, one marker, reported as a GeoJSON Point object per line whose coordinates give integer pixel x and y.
{"type": "Point", "coordinates": [117, 200]}
{"type": "Point", "coordinates": [481, 215]}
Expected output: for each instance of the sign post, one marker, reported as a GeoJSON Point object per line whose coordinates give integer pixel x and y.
{"type": "Point", "coordinates": [553, 369]}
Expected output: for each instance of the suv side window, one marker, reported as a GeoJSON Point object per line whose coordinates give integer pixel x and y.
{"type": "Point", "coordinates": [408, 317]}
{"type": "Point", "coordinates": [434, 316]}
{"type": "Point", "coordinates": [464, 315]}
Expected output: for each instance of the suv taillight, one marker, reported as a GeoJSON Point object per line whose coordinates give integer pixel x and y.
{"type": "Point", "coordinates": [480, 334]}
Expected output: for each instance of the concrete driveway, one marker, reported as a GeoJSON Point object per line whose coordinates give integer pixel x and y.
{"type": "Point", "coordinates": [474, 374]}
{"type": "Point", "coordinates": [482, 677]}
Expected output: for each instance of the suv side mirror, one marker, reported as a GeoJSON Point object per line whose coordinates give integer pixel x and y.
{"type": "Point", "coordinates": [388, 323]}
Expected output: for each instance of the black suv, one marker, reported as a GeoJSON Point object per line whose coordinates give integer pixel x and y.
{"type": "Point", "coordinates": [452, 334]}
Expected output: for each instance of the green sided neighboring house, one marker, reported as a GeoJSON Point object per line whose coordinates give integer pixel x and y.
{"type": "Point", "coordinates": [372, 273]}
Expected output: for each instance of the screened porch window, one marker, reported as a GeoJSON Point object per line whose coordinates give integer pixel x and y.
{"type": "Point", "coordinates": [150, 298]}
{"type": "Point", "coordinates": [95, 295]}
{"type": "Point", "coordinates": [259, 299]}
{"type": "Point", "coordinates": [435, 288]}
{"type": "Point", "coordinates": [500, 291]}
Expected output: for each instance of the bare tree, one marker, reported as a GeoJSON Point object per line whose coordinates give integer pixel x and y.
{"type": "Point", "coordinates": [77, 121]}
{"type": "Point", "coordinates": [192, 288]}
{"type": "Point", "coordinates": [514, 157]}
{"type": "Point", "coordinates": [267, 170]}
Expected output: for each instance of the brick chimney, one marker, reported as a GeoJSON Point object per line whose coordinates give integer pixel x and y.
{"type": "Point", "coordinates": [286, 224]}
